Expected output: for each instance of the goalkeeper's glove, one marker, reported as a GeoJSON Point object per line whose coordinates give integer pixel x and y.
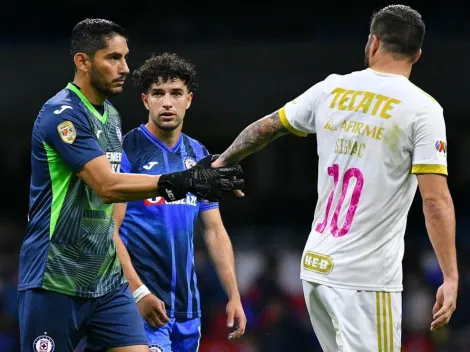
{"type": "Point", "coordinates": [204, 183]}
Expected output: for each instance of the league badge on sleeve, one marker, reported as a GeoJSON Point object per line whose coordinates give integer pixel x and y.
{"type": "Point", "coordinates": [67, 131]}
{"type": "Point", "coordinates": [43, 343]}
{"type": "Point", "coordinates": [441, 147]}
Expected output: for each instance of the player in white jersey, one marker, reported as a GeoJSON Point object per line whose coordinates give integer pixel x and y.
{"type": "Point", "coordinates": [379, 137]}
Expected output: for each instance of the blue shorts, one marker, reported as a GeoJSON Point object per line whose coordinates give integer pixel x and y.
{"type": "Point", "coordinates": [175, 336]}
{"type": "Point", "coordinates": [51, 321]}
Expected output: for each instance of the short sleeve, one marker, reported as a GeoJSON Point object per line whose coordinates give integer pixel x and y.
{"type": "Point", "coordinates": [125, 164]}
{"type": "Point", "coordinates": [298, 115]}
{"type": "Point", "coordinates": [70, 137]}
{"type": "Point", "coordinates": [429, 143]}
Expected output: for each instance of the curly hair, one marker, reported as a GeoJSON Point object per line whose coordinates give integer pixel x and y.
{"type": "Point", "coordinates": [165, 67]}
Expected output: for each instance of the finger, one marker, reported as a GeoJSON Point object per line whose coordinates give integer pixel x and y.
{"type": "Point", "coordinates": [240, 331]}
{"type": "Point", "coordinates": [238, 183]}
{"type": "Point", "coordinates": [236, 334]}
{"type": "Point", "coordinates": [161, 313]}
{"type": "Point", "coordinates": [230, 171]}
{"type": "Point", "coordinates": [158, 321]}
{"type": "Point", "coordinates": [230, 316]}
{"type": "Point", "coordinates": [217, 164]}
{"type": "Point", "coordinates": [227, 185]}
{"type": "Point", "coordinates": [442, 316]}
{"type": "Point", "coordinates": [436, 308]}
{"type": "Point", "coordinates": [239, 193]}
{"type": "Point", "coordinates": [149, 319]}
{"type": "Point", "coordinates": [440, 322]}
{"type": "Point", "coordinates": [444, 309]}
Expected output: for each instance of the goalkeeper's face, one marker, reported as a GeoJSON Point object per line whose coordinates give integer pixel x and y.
{"type": "Point", "coordinates": [108, 69]}
{"type": "Point", "coordinates": [167, 103]}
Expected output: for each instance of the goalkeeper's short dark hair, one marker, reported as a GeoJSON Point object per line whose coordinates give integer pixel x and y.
{"type": "Point", "coordinates": [92, 34]}
{"type": "Point", "coordinates": [165, 67]}
{"type": "Point", "coordinates": [400, 28]}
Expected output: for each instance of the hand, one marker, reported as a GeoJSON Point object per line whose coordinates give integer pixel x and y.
{"type": "Point", "coordinates": [216, 163]}
{"type": "Point", "coordinates": [208, 160]}
{"type": "Point", "coordinates": [235, 317]}
{"type": "Point", "coordinates": [208, 184]}
{"type": "Point", "coordinates": [446, 300]}
{"type": "Point", "coordinates": [153, 311]}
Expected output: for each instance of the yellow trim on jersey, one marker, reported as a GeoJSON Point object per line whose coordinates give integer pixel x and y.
{"type": "Point", "coordinates": [379, 330]}
{"type": "Point", "coordinates": [426, 93]}
{"type": "Point", "coordinates": [383, 303]}
{"type": "Point", "coordinates": [390, 321]}
{"type": "Point", "coordinates": [429, 169]}
{"type": "Point", "coordinates": [287, 125]}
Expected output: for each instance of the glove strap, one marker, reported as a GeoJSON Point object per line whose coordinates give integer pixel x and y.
{"type": "Point", "coordinates": [172, 186]}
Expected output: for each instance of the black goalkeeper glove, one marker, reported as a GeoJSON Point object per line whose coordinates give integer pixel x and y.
{"type": "Point", "coordinates": [208, 184]}
{"type": "Point", "coordinates": [207, 161]}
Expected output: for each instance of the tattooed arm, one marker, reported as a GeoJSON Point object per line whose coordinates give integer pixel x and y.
{"type": "Point", "coordinates": [253, 138]}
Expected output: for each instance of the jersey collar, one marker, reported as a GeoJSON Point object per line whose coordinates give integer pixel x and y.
{"type": "Point", "coordinates": [158, 142]}
{"type": "Point", "coordinates": [89, 105]}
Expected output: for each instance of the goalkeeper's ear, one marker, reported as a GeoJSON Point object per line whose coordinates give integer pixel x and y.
{"type": "Point", "coordinates": [207, 161]}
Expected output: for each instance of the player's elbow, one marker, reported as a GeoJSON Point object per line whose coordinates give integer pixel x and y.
{"type": "Point", "coordinates": [436, 205]}
{"type": "Point", "coordinates": [106, 191]}
{"type": "Point", "coordinates": [106, 196]}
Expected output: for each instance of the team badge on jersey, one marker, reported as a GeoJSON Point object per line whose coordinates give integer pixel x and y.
{"type": "Point", "coordinates": [67, 131]}
{"type": "Point", "coordinates": [189, 162]}
{"type": "Point", "coordinates": [155, 348]}
{"type": "Point", "coordinates": [43, 343]}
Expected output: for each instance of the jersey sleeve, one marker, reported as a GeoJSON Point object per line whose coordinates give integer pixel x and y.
{"type": "Point", "coordinates": [70, 137]}
{"type": "Point", "coordinates": [298, 115]}
{"type": "Point", "coordinates": [429, 143]}
{"type": "Point", "coordinates": [125, 164]}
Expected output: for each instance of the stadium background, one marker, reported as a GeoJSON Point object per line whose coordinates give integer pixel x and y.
{"type": "Point", "coordinates": [250, 60]}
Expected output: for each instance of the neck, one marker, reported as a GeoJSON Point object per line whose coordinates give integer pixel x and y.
{"type": "Point", "coordinates": [169, 138]}
{"type": "Point", "coordinates": [91, 93]}
{"type": "Point", "coordinates": [390, 65]}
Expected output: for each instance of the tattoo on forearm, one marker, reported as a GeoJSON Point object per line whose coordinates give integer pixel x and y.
{"type": "Point", "coordinates": [254, 137]}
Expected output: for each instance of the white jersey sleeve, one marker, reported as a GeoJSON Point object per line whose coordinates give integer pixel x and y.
{"type": "Point", "coordinates": [429, 142]}
{"type": "Point", "coordinates": [298, 115]}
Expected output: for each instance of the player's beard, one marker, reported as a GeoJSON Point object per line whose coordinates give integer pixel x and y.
{"type": "Point", "coordinates": [165, 126]}
{"type": "Point", "coordinates": [100, 84]}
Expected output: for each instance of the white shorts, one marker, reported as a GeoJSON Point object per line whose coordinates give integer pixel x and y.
{"type": "Point", "coordinates": [346, 320]}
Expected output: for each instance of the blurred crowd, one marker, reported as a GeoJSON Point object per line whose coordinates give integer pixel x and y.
{"type": "Point", "coordinates": [273, 299]}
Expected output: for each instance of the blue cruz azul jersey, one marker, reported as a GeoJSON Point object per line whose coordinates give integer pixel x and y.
{"type": "Point", "coordinates": [158, 234]}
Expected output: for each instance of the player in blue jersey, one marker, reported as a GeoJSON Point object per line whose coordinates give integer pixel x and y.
{"type": "Point", "coordinates": [71, 283]}
{"type": "Point", "coordinates": [156, 250]}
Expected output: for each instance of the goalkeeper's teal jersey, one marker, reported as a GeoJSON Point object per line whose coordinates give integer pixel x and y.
{"type": "Point", "coordinates": [69, 245]}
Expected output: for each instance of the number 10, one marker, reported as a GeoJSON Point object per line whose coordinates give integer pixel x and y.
{"type": "Point", "coordinates": [356, 195]}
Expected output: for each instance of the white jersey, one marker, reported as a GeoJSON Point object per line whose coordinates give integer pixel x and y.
{"type": "Point", "coordinates": [374, 132]}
